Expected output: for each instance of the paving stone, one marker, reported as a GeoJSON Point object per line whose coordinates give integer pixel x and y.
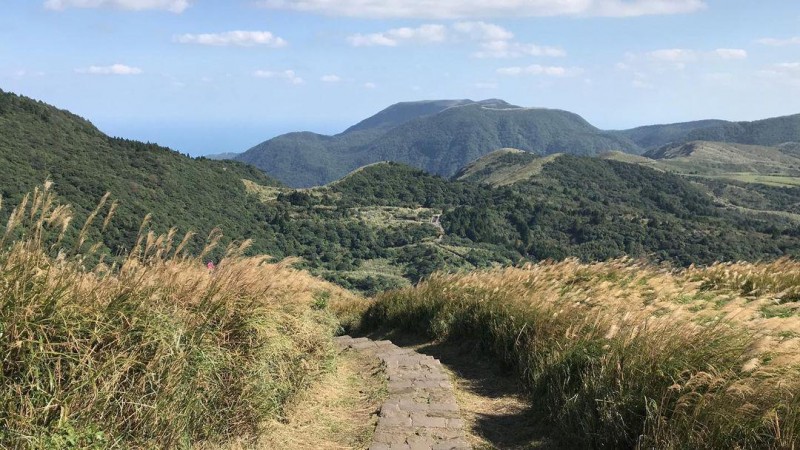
{"type": "Point", "coordinates": [363, 345]}
{"type": "Point", "coordinates": [421, 411]}
{"type": "Point", "coordinates": [395, 413]}
{"type": "Point", "coordinates": [444, 414]}
{"type": "Point", "coordinates": [454, 444]}
{"type": "Point", "coordinates": [443, 407]}
{"type": "Point", "coordinates": [456, 423]}
{"type": "Point", "coordinates": [419, 440]}
{"type": "Point", "coordinates": [420, 419]}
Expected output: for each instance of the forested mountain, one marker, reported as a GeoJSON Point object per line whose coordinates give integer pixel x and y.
{"type": "Point", "coordinates": [39, 142]}
{"type": "Point", "coordinates": [442, 136]}
{"type": "Point", "coordinates": [377, 227]}
{"type": "Point", "coordinates": [719, 158]}
{"type": "Point", "coordinates": [766, 132]}
{"type": "Point", "coordinates": [439, 137]}
{"type": "Point", "coordinates": [502, 167]}
{"type": "Point", "coordinates": [774, 131]}
{"type": "Point", "coordinates": [652, 136]}
{"type": "Point", "coordinates": [403, 112]}
{"type": "Point", "coordinates": [590, 208]}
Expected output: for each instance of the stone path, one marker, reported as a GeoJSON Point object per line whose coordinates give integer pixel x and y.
{"type": "Point", "coordinates": [421, 411]}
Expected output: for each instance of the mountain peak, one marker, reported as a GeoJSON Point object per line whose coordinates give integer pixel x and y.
{"type": "Point", "coordinates": [402, 112]}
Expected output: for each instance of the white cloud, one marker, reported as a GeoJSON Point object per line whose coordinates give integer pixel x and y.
{"type": "Point", "coordinates": [780, 42]}
{"type": "Point", "coordinates": [510, 49]}
{"type": "Point", "coordinates": [176, 6]}
{"type": "Point", "coordinates": [482, 31]}
{"type": "Point", "coordinates": [287, 75]}
{"type": "Point", "coordinates": [429, 33]}
{"type": "Point", "coordinates": [114, 69]}
{"type": "Point", "coordinates": [460, 9]}
{"type": "Point", "coordinates": [370, 85]}
{"type": "Point", "coordinates": [238, 37]}
{"type": "Point", "coordinates": [731, 53]}
{"type": "Point", "coordinates": [536, 69]}
{"type": "Point", "coordinates": [331, 78]}
{"type": "Point", "coordinates": [494, 40]}
{"type": "Point", "coordinates": [636, 8]}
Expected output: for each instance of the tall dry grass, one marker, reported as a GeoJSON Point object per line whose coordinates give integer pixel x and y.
{"type": "Point", "coordinates": [627, 355]}
{"type": "Point", "coordinates": [153, 351]}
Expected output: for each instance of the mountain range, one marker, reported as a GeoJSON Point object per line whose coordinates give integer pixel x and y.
{"type": "Point", "coordinates": [443, 136]}
{"type": "Point", "coordinates": [374, 229]}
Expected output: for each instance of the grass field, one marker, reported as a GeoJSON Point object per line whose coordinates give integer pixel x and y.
{"type": "Point", "coordinates": [149, 350]}
{"type": "Point", "coordinates": [771, 180]}
{"type": "Point", "coordinates": [627, 355]}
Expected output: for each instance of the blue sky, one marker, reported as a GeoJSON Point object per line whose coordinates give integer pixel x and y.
{"type": "Point", "coordinates": [208, 76]}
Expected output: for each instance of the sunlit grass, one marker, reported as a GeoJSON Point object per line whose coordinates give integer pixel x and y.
{"type": "Point", "coordinates": [627, 355]}
{"type": "Point", "coordinates": [148, 350]}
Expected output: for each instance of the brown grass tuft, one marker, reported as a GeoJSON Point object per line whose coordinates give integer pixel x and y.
{"type": "Point", "coordinates": [154, 351]}
{"type": "Point", "coordinates": [622, 354]}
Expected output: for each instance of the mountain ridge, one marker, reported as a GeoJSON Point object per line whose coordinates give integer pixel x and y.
{"type": "Point", "coordinates": [443, 136]}
{"type": "Point", "coordinates": [438, 136]}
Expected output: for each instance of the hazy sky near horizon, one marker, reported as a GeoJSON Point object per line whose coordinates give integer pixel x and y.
{"type": "Point", "coordinates": [206, 76]}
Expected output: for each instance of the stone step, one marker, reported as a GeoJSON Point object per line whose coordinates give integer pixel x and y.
{"type": "Point", "coordinates": [421, 411]}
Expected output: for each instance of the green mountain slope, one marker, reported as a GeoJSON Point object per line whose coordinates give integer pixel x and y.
{"type": "Point", "coordinates": [720, 158]}
{"type": "Point", "coordinates": [651, 136]}
{"type": "Point", "coordinates": [439, 137]}
{"type": "Point", "coordinates": [767, 132]}
{"type": "Point", "coordinates": [504, 166]}
{"type": "Point", "coordinates": [377, 227]}
{"type": "Point", "coordinates": [39, 142]}
{"type": "Point", "coordinates": [770, 132]}
{"type": "Point", "coordinates": [403, 112]}
{"type": "Point", "coordinates": [589, 208]}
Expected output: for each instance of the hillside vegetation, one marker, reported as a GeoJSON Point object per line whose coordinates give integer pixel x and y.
{"type": "Point", "coordinates": [575, 206]}
{"type": "Point", "coordinates": [653, 136]}
{"type": "Point", "coordinates": [719, 158]}
{"type": "Point", "coordinates": [39, 142]}
{"type": "Point", "coordinates": [628, 355]}
{"type": "Point", "coordinates": [444, 136]}
{"type": "Point", "coordinates": [503, 167]}
{"type": "Point", "coordinates": [377, 228]}
{"type": "Point", "coordinates": [767, 132]}
{"type": "Point", "coordinates": [156, 352]}
{"type": "Point", "coordinates": [439, 137]}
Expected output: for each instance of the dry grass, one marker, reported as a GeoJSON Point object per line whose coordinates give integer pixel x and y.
{"type": "Point", "coordinates": [266, 194]}
{"type": "Point", "coordinates": [626, 355]}
{"type": "Point", "coordinates": [153, 350]}
{"type": "Point", "coordinates": [339, 412]}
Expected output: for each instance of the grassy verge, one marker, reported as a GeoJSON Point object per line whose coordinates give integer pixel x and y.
{"type": "Point", "coordinates": [339, 412]}
{"type": "Point", "coordinates": [153, 351]}
{"type": "Point", "coordinates": [622, 355]}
